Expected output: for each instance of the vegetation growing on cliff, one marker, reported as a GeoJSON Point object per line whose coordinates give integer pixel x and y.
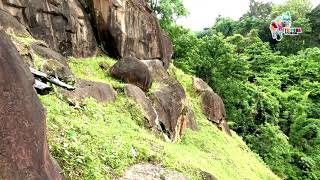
{"type": "Point", "coordinates": [271, 89]}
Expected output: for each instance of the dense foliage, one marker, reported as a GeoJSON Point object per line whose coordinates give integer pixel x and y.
{"type": "Point", "coordinates": [271, 89]}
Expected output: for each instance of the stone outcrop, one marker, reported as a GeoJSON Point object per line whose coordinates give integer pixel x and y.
{"type": "Point", "coordinates": [213, 108]}
{"type": "Point", "coordinates": [37, 54]}
{"type": "Point", "coordinates": [157, 71]}
{"type": "Point", "coordinates": [199, 85]}
{"type": "Point", "coordinates": [24, 151]}
{"type": "Point", "coordinates": [190, 119]}
{"type": "Point", "coordinates": [149, 171]}
{"type": "Point", "coordinates": [63, 25]}
{"type": "Point", "coordinates": [132, 71]}
{"type": "Point", "coordinates": [130, 28]}
{"type": "Point", "coordinates": [53, 63]}
{"type": "Point", "coordinates": [212, 104]}
{"type": "Point", "coordinates": [10, 24]}
{"type": "Point", "coordinates": [85, 89]}
{"type": "Point", "coordinates": [207, 176]}
{"type": "Point", "coordinates": [169, 102]}
{"type": "Point", "coordinates": [149, 112]}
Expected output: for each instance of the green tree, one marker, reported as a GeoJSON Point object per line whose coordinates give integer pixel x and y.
{"type": "Point", "coordinates": [168, 11]}
{"type": "Point", "coordinates": [226, 26]}
{"type": "Point", "coordinates": [314, 17]}
{"type": "Point", "coordinates": [273, 146]}
{"type": "Point", "coordinates": [259, 10]}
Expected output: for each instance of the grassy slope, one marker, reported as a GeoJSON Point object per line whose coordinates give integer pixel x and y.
{"type": "Point", "coordinates": [95, 142]}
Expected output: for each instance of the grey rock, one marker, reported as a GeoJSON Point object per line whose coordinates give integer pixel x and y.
{"type": "Point", "coordinates": [151, 172]}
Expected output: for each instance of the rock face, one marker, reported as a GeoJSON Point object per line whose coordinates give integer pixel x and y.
{"type": "Point", "coordinates": [207, 176]}
{"type": "Point", "coordinates": [191, 121]}
{"type": "Point", "coordinates": [170, 104]}
{"type": "Point", "coordinates": [23, 152]}
{"type": "Point", "coordinates": [212, 104]}
{"type": "Point", "coordinates": [151, 172]}
{"type": "Point", "coordinates": [199, 85]}
{"type": "Point", "coordinates": [157, 71]}
{"type": "Point", "coordinates": [54, 64]}
{"type": "Point", "coordinates": [129, 28]}
{"type": "Point", "coordinates": [149, 112]}
{"type": "Point", "coordinates": [213, 108]}
{"type": "Point", "coordinates": [85, 89]}
{"type": "Point", "coordinates": [61, 24]}
{"type": "Point", "coordinates": [9, 23]}
{"type": "Point", "coordinates": [132, 71]}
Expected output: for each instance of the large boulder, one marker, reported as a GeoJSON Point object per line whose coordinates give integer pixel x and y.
{"type": "Point", "coordinates": [156, 69]}
{"type": "Point", "coordinates": [150, 171]}
{"type": "Point", "coordinates": [148, 110]}
{"type": "Point", "coordinates": [24, 151]}
{"type": "Point", "coordinates": [212, 104]}
{"type": "Point", "coordinates": [62, 24]}
{"type": "Point", "coordinates": [52, 62]}
{"type": "Point", "coordinates": [199, 85]}
{"type": "Point", "coordinates": [132, 71]}
{"type": "Point", "coordinates": [190, 119]}
{"type": "Point", "coordinates": [130, 28]}
{"type": "Point", "coordinates": [85, 89]}
{"type": "Point", "coordinates": [213, 108]}
{"type": "Point", "coordinates": [169, 101]}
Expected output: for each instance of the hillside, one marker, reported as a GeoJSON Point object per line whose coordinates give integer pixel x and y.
{"type": "Point", "coordinates": [116, 89]}
{"type": "Point", "coordinates": [94, 141]}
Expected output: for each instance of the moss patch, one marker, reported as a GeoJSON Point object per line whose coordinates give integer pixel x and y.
{"type": "Point", "coordinates": [89, 69]}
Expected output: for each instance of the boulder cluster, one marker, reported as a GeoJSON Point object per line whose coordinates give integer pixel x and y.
{"type": "Point", "coordinates": [53, 30]}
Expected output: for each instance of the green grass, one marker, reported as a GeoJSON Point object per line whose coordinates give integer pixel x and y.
{"type": "Point", "coordinates": [26, 40]}
{"type": "Point", "coordinates": [95, 142]}
{"type": "Point", "coordinates": [89, 69]}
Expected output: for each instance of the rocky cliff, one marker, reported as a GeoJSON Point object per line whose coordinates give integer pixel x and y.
{"type": "Point", "coordinates": [24, 151]}
{"type": "Point", "coordinates": [148, 101]}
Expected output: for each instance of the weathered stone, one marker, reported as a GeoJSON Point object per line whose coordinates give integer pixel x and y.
{"type": "Point", "coordinates": [223, 125]}
{"type": "Point", "coordinates": [130, 28]}
{"type": "Point", "coordinates": [62, 24]}
{"type": "Point", "coordinates": [11, 24]}
{"type": "Point", "coordinates": [207, 176]}
{"type": "Point", "coordinates": [169, 103]}
{"type": "Point", "coordinates": [85, 89]}
{"type": "Point", "coordinates": [199, 85]}
{"type": "Point", "coordinates": [104, 66]}
{"type": "Point", "coordinates": [157, 71]}
{"type": "Point", "coordinates": [42, 88]}
{"type": "Point", "coordinates": [213, 108]}
{"type": "Point", "coordinates": [151, 172]}
{"type": "Point", "coordinates": [24, 151]}
{"type": "Point", "coordinates": [149, 112]}
{"type": "Point", "coordinates": [54, 64]}
{"type": "Point", "coordinates": [190, 119]}
{"type": "Point", "coordinates": [132, 71]}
